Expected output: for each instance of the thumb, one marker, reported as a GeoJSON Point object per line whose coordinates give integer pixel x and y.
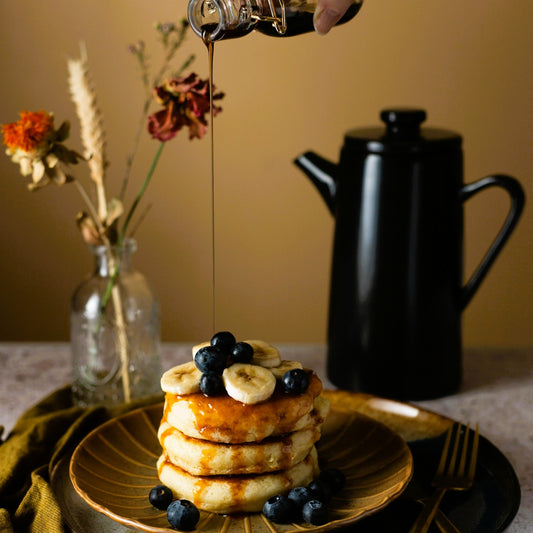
{"type": "Point", "coordinates": [328, 13]}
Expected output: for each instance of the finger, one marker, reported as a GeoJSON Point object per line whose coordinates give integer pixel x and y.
{"type": "Point", "coordinates": [328, 13]}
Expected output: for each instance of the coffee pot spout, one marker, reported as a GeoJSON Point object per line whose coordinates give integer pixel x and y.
{"type": "Point", "coordinates": [322, 173]}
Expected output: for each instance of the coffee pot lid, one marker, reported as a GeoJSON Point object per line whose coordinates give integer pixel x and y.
{"type": "Point", "coordinates": [402, 133]}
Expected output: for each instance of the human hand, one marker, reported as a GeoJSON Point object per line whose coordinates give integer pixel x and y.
{"type": "Point", "coordinates": [328, 13]}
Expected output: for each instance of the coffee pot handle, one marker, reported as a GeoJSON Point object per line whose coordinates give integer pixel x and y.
{"type": "Point", "coordinates": [516, 192]}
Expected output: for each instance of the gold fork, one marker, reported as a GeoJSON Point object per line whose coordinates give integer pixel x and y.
{"type": "Point", "coordinates": [455, 477]}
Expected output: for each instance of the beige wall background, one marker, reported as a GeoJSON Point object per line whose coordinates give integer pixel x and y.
{"type": "Point", "coordinates": [468, 63]}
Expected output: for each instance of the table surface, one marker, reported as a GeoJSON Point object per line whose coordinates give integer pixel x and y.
{"type": "Point", "coordinates": [497, 393]}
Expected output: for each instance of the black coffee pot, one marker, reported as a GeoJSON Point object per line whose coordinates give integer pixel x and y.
{"type": "Point", "coordinates": [397, 289]}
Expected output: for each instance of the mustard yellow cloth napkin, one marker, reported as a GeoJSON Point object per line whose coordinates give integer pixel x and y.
{"type": "Point", "coordinates": [41, 436]}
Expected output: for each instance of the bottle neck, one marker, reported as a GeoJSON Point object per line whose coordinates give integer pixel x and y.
{"type": "Point", "coordinates": [213, 20]}
{"type": "Point", "coordinates": [106, 259]}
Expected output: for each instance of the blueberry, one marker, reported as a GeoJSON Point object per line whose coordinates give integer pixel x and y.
{"type": "Point", "coordinates": [210, 358]}
{"type": "Point", "coordinates": [183, 514]}
{"type": "Point", "coordinates": [280, 509]}
{"type": "Point", "coordinates": [242, 353]}
{"type": "Point", "coordinates": [300, 496]}
{"type": "Point", "coordinates": [160, 497]}
{"type": "Point", "coordinates": [223, 340]}
{"type": "Point", "coordinates": [211, 383]}
{"type": "Point", "coordinates": [320, 490]}
{"type": "Point", "coordinates": [295, 381]}
{"type": "Point", "coordinates": [315, 512]}
{"type": "Point", "coordinates": [334, 478]}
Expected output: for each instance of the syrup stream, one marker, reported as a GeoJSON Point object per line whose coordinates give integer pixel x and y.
{"type": "Point", "coordinates": [210, 52]}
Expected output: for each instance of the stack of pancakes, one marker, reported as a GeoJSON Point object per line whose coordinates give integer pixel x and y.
{"type": "Point", "coordinates": [226, 456]}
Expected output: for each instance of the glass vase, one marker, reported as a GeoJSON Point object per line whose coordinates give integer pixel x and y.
{"type": "Point", "coordinates": [115, 331]}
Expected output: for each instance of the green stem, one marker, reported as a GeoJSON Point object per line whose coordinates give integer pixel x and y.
{"type": "Point", "coordinates": [141, 192]}
{"type": "Point", "coordinates": [122, 234]}
{"type": "Point", "coordinates": [135, 144]}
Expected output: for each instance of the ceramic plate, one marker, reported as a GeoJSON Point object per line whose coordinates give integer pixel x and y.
{"type": "Point", "coordinates": [113, 470]}
{"type": "Point", "coordinates": [488, 507]}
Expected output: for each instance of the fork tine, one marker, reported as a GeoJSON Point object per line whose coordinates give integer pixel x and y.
{"type": "Point", "coordinates": [446, 479]}
{"type": "Point", "coordinates": [453, 458]}
{"type": "Point", "coordinates": [473, 457]}
{"type": "Point", "coordinates": [444, 454]}
{"type": "Point", "coordinates": [462, 462]}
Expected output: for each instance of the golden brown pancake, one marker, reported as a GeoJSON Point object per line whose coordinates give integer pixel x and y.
{"type": "Point", "coordinates": [204, 458]}
{"type": "Point", "coordinates": [223, 419]}
{"type": "Point", "coordinates": [240, 493]}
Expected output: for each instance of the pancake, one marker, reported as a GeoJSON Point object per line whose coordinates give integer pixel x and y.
{"type": "Point", "coordinates": [223, 419]}
{"type": "Point", "coordinates": [204, 458]}
{"type": "Point", "coordinates": [236, 493]}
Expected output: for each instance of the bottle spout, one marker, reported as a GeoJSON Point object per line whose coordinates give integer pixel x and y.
{"type": "Point", "coordinates": [323, 174]}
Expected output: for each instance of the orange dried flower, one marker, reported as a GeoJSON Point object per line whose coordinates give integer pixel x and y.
{"type": "Point", "coordinates": [29, 132]}
{"type": "Point", "coordinates": [35, 145]}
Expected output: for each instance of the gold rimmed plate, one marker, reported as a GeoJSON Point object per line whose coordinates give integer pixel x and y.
{"type": "Point", "coordinates": [113, 470]}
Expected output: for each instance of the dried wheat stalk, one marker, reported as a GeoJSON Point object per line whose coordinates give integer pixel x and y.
{"type": "Point", "coordinates": [83, 95]}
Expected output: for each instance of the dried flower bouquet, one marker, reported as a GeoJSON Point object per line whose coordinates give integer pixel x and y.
{"type": "Point", "coordinates": [34, 143]}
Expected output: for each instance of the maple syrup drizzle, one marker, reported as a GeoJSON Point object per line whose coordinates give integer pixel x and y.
{"type": "Point", "coordinates": [210, 54]}
{"type": "Point", "coordinates": [234, 419]}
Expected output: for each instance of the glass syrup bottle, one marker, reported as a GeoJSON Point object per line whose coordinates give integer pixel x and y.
{"type": "Point", "coordinates": [227, 19]}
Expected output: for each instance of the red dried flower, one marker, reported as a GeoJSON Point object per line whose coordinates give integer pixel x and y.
{"type": "Point", "coordinates": [186, 103]}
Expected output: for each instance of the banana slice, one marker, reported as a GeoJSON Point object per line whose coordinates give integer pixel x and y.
{"type": "Point", "coordinates": [248, 383]}
{"type": "Point", "coordinates": [181, 379]}
{"type": "Point", "coordinates": [198, 346]}
{"type": "Point", "coordinates": [265, 354]}
{"type": "Point", "coordinates": [285, 366]}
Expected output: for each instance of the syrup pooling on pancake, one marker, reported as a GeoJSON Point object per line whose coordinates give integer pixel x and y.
{"type": "Point", "coordinates": [239, 425]}
{"type": "Point", "coordinates": [223, 419]}
{"type": "Point", "coordinates": [205, 458]}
